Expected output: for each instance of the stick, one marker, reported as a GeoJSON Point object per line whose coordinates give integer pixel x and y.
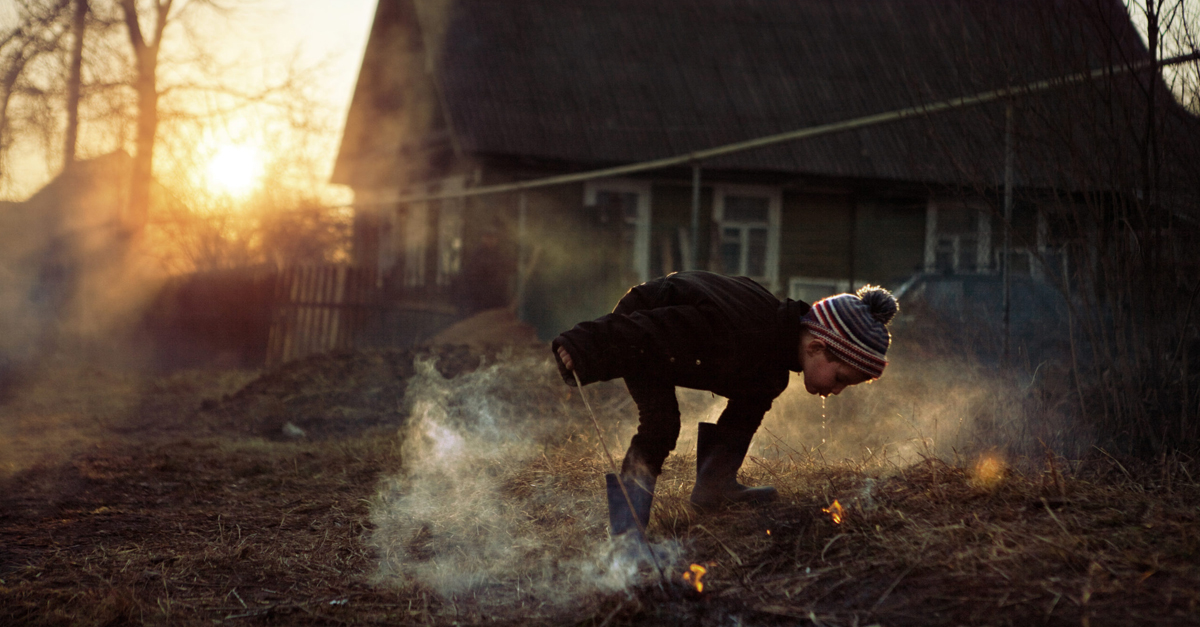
{"type": "Point", "coordinates": [620, 483]}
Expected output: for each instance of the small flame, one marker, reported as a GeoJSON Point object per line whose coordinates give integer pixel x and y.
{"type": "Point", "coordinates": [835, 512]}
{"type": "Point", "coordinates": [988, 471]}
{"type": "Point", "coordinates": [693, 576]}
{"type": "Point", "coordinates": [768, 532]}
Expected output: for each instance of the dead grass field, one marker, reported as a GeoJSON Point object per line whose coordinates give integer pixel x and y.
{"type": "Point", "coordinates": [180, 501]}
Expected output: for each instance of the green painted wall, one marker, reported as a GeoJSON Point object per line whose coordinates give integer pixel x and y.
{"type": "Point", "coordinates": [815, 236]}
{"type": "Point", "coordinates": [889, 242]}
{"type": "Point", "coordinates": [577, 273]}
{"type": "Point", "coordinates": [840, 237]}
{"type": "Point", "coordinates": [671, 211]}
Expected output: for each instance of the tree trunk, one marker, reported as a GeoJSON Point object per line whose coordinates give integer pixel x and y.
{"type": "Point", "coordinates": [146, 55]}
{"type": "Point", "coordinates": [143, 158]}
{"type": "Point", "coordinates": [73, 82]}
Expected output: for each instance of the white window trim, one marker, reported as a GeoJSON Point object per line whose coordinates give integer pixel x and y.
{"type": "Point", "coordinates": [774, 197]}
{"type": "Point", "coordinates": [641, 233]}
{"type": "Point", "coordinates": [446, 275]}
{"type": "Point", "coordinates": [795, 283]}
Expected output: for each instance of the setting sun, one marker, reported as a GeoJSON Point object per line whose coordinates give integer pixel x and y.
{"type": "Point", "coordinates": [235, 169]}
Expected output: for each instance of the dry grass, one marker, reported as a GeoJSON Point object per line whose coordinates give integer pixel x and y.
{"type": "Point", "coordinates": [940, 543]}
{"type": "Point", "coordinates": [194, 522]}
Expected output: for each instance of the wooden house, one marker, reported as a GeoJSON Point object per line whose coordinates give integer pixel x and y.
{"type": "Point", "coordinates": [461, 95]}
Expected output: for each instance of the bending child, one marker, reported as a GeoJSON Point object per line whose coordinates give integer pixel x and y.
{"type": "Point", "coordinates": [730, 336]}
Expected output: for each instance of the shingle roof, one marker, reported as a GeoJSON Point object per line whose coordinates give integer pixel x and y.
{"type": "Point", "coordinates": [621, 81]}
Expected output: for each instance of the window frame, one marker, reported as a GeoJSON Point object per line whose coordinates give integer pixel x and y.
{"type": "Point", "coordinates": [641, 224]}
{"type": "Point", "coordinates": [450, 262]}
{"type": "Point", "coordinates": [774, 196]}
{"type": "Point", "coordinates": [415, 243]}
{"type": "Point", "coordinates": [798, 283]}
{"type": "Point", "coordinates": [981, 238]}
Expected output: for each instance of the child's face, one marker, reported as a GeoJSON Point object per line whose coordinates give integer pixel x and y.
{"type": "Point", "coordinates": [825, 374]}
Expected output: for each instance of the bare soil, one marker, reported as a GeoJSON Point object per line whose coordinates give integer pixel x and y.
{"type": "Point", "coordinates": [183, 500]}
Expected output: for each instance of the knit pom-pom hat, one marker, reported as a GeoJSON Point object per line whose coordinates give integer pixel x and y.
{"type": "Point", "coordinates": [854, 327]}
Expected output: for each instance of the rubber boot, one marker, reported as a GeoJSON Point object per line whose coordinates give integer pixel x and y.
{"type": "Point", "coordinates": [717, 461]}
{"type": "Point", "coordinates": [641, 494]}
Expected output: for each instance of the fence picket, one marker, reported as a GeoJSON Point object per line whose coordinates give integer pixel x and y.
{"type": "Point", "coordinates": [323, 307]}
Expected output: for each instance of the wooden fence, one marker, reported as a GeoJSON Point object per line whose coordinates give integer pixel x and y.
{"type": "Point", "coordinates": [251, 317]}
{"type": "Point", "coordinates": [321, 308]}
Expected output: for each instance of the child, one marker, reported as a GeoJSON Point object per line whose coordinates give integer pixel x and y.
{"type": "Point", "coordinates": [728, 335]}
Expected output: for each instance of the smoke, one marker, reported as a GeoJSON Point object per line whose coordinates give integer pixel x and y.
{"type": "Point", "coordinates": [73, 285]}
{"type": "Point", "coordinates": [501, 495]}
{"type": "Point", "coordinates": [73, 279]}
{"type": "Point", "coordinates": [930, 403]}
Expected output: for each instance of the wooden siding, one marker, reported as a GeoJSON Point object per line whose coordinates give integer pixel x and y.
{"type": "Point", "coordinates": [395, 113]}
{"type": "Point", "coordinates": [815, 239]}
{"type": "Point", "coordinates": [890, 242]}
{"type": "Point", "coordinates": [672, 211]}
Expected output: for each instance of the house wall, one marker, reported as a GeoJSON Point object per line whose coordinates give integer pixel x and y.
{"type": "Point", "coordinates": [672, 211]}
{"type": "Point", "coordinates": [489, 270]}
{"type": "Point", "coordinates": [576, 261]}
{"type": "Point", "coordinates": [853, 239]}
{"type": "Point", "coordinates": [889, 241]}
{"type": "Point", "coordinates": [575, 275]}
{"type": "Point", "coordinates": [570, 268]}
{"type": "Point", "coordinates": [815, 239]}
{"type": "Point", "coordinates": [396, 133]}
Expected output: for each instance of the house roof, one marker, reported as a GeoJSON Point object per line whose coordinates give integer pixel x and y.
{"type": "Point", "coordinates": [621, 81]}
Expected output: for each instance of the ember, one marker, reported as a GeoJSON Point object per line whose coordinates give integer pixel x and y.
{"type": "Point", "coordinates": [835, 511]}
{"type": "Point", "coordinates": [693, 576]}
{"type": "Point", "coordinates": [988, 471]}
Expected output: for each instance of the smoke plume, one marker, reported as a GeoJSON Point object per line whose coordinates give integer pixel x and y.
{"type": "Point", "coordinates": [501, 495]}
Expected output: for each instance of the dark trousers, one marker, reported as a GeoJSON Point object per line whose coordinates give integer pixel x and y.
{"type": "Point", "coordinates": [658, 423]}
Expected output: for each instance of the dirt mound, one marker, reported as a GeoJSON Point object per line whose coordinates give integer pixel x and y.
{"type": "Point", "coordinates": [339, 394]}
{"type": "Point", "coordinates": [488, 329]}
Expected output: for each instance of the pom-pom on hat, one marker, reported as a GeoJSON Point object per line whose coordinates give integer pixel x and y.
{"type": "Point", "coordinates": [854, 326]}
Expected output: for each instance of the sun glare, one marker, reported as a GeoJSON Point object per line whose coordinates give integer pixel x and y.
{"type": "Point", "coordinates": [235, 169]}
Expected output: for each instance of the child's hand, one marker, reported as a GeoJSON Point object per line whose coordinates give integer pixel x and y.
{"type": "Point", "coordinates": [565, 358]}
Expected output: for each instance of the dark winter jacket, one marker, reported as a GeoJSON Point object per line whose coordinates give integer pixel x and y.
{"type": "Point", "coordinates": [700, 330]}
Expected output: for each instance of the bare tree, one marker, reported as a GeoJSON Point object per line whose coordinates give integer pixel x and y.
{"type": "Point", "coordinates": [74, 80]}
{"type": "Point", "coordinates": [1109, 171]}
{"type": "Point", "coordinates": [38, 32]}
{"type": "Point", "coordinates": [146, 47]}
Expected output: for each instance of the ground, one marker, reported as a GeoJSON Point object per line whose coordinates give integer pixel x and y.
{"type": "Point", "coordinates": [254, 498]}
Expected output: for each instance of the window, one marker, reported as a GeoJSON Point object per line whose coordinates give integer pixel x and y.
{"type": "Point", "coordinates": [747, 220]}
{"type": "Point", "coordinates": [625, 205]}
{"type": "Point", "coordinates": [416, 242]}
{"type": "Point", "coordinates": [1043, 261]}
{"type": "Point", "coordinates": [450, 240]}
{"type": "Point", "coordinates": [957, 237]}
{"type": "Point", "coordinates": [812, 289]}
{"type": "Point", "coordinates": [420, 221]}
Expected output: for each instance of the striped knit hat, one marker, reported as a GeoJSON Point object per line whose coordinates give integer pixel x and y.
{"type": "Point", "coordinates": [854, 326]}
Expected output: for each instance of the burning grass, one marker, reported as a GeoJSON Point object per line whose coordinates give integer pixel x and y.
{"type": "Point", "coordinates": [196, 521]}
{"type": "Point", "coordinates": [936, 543]}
